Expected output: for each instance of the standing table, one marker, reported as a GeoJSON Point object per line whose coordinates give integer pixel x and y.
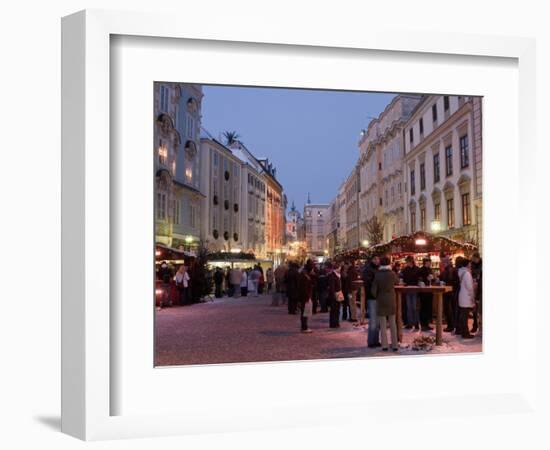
{"type": "Point", "coordinates": [438, 292]}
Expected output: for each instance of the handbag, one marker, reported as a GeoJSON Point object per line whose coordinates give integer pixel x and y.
{"type": "Point", "coordinates": [308, 309]}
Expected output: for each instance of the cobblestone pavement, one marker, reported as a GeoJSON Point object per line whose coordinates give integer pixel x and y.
{"type": "Point", "coordinates": [249, 329]}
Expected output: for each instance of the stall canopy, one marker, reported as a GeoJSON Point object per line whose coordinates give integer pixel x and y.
{"type": "Point", "coordinates": [421, 242]}
{"type": "Point", "coordinates": [164, 253]}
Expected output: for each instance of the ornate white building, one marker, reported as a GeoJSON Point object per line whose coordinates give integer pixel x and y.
{"type": "Point", "coordinates": [316, 216]}
{"type": "Point", "coordinates": [443, 167]}
{"type": "Point", "coordinates": [382, 191]}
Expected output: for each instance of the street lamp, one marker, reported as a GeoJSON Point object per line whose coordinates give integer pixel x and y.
{"type": "Point", "coordinates": [365, 243]}
{"type": "Point", "coordinates": [436, 226]}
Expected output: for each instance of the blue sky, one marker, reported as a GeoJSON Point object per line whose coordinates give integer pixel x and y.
{"type": "Point", "coordinates": [311, 136]}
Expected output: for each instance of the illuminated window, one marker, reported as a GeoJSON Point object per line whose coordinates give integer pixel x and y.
{"type": "Point", "coordinates": [450, 213]}
{"type": "Point", "coordinates": [464, 152]}
{"type": "Point", "coordinates": [466, 217]}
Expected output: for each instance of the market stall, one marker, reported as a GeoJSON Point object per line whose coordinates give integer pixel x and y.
{"type": "Point", "coordinates": [173, 258]}
{"type": "Point", "coordinates": [420, 245]}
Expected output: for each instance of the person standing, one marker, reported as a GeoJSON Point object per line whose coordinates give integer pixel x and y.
{"type": "Point", "coordinates": [182, 283]}
{"type": "Point", "coordinates": [466, 298]}
{"type": "Point", "coordinates": [269, 278]}
{"type": "Point", "coordinates": [291, 283]}
{"type": "Point", "coordinates": [410, 278]}
{"type": "Point", "coordinates": [383, 290]}
{"type": "Point", "coordinates": [218, 282]}
{"type": "Point", "coordinates": [280, 286]}
{"type": "Point", "coordinates": [477, 274]}
{"type": "Point", "coordinates": [335, 296]}
{"type": "Point", "coordinates": [244, 282]}
{"type": "Point", "coordinates": [446, 276]}
{"type": "Point", "coordinates": [425, 275]}
{"type": "Point", "coordinates": [235, 278]}
{"type": "Point", "coordinates": [254, 275]}
{"type": "Point", "coordinates": [165, 274]}
{"type": "Point", "coordinates": [322, 289]}
{"type": "Point", "coordinates": [352, 277]}
{"type": "Point", "coordinates": [369, 272]}
{"type": "Point", "coordinates": [345, 290]}
{"type": "Point", "coordinates": [305, 293]}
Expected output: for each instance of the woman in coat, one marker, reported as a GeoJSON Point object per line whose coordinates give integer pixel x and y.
{"type": "Point", "coordinates": [383, 290]}
{"type": "Point", "coordinates": [466, 298]}
{"type": "Point", "coordinates": [305, 294]}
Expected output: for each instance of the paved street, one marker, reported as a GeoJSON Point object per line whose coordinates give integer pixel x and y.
{"type": "Point", "coordinates": [249, 329]}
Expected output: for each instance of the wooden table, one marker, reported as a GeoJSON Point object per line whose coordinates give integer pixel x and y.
{"type": "Point", "coordinates": [437, 292]}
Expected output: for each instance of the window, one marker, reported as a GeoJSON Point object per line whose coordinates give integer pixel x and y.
{"type": "Point", "coordinates": [412, 183]}
{"type": "Point", "coordinates": [399, 189]}
{"type": "Point", "coordinates": [386, 197]}
{"type": "Point", "coordinates": [163, 153]}
{"type": "Point", "coordinates": [445, 103]}
{"type": "Point", "coordinates": [464, 152]}
{"type": "Point", "coordinates": [192, 216]}
{"type": "Point", "coordinates": [436, 167]}
{"type": "Point", "coordinates": [449, 161]}
{"type": "Point", "coordinates": [422, 176]}
{"type": "Point", "coordinates": [164, 93]}
{"type": "Point", "coordinates": [161, 205]}
{"type": "Point", "coordinates": [421, 125]}
{"type": "Point", "coordinates": [216, 159]}
{"type": "Point", "coordinates": [413, 221]}
{"type": "Point", "coordinates": [423, 218]}
{"type": "Point", "coordinates": [466, 217]}
{"type": "Point", "coordinates": [190, 127]}
{"type": "Point", "coordinates": [434, 112]}
{"type": "Point", "coordinates": [437, 212]}
{"type": "Point", "coordinates": [380, 201]}
{"type": "Point", "coordinates": [411, 135]}
{"type": "Point", "coordinates": [450, 213]}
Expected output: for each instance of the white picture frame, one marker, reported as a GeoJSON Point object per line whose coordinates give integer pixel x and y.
{"type": "Point", "coordinates": [87, 354]}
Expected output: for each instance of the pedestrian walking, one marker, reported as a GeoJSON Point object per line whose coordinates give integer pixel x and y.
{"type": "Point", "coordinates": [305, 293]}
{"type": "Point", "coordinates": [322, 289]}
{"type": "Point", "coordinates": [346, 289]}
{"type": "Point", "coordinates": [255, 275]}
{"type": "Point", "coordinates": [383, 290]}
{"type": "Point", "coordinates": [335, 295]}
{"type": "Point", "coordinates": [466, 298]}
{"type": "Point", "coordinates": [373, 336]}
{"type": "Point", "coordinates": [164, 275]}
{"type": "Point", "coordinates": [410, 278]}
{"type": "Point", "coordinates": [352, 303]}
{"type": "Point", "coordinates": [280, 286]}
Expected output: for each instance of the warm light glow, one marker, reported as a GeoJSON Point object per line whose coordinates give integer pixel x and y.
{"type": "Point", "coordinates": [157, 253]}
{"type": "Point", "coordinates": [158, 291]}
{"type": "Point", "coordinates": [436, 226]}
{"type": "Point", "coordinates": [365, 243]}
{"type": "Point", "coordinates": [236, 250]}
{"type": "Point", "coordinates": [189, 174]}
{"type": "Point", "coordinates": [163, 154]}
{"type": "Point", "coordinates": [188, 239]}
{"type": "Point", "coordinates": [420, 242]}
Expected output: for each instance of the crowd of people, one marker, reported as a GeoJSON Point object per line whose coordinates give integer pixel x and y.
{"type": "Point", "coordinates": [236, 282]}
{"type": "Point", "coordinates": [331, 287]}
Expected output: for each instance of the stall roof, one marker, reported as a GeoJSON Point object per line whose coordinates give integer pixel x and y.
{"type": "Point", "coordinates": [433, 244]}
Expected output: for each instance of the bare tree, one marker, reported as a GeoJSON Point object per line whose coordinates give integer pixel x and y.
{"type": "Point", "coordinates": [375, 230]}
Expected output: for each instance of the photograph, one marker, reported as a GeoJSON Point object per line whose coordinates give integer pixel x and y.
{"type": "Point", "coordinates": [297, 224]}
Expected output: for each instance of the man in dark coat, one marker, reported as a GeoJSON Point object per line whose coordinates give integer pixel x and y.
{"type": "Point", "coordinates": [322, 289]}
{"type": "Point", "coordinates": [425, 274]}
{"type": "Point", "coordinates": [369, 273]}
{"type": "Point", "coordinates": [305, 294]}
{"type": "Point", "coordinates": [383, 289]}
{"type": "Point", "coordinates": [477, 272]}
{"type": "Point", "coordinates": [410, 278]}
{"type": "Point", "coordinates": [291, 283]}
{"type": "Point", "coordinates": [334, 293]}
{"type": "Point", "coordinates": [446, 275]}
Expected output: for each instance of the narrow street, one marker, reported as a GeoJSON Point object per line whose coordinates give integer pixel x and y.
{"type": "Point", "coordinates": [249, 329]}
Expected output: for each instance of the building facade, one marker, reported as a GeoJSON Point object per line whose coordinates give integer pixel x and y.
{"type": "Point", "coordinates": [352, 190]}
{"type": "Point", "coordinates": [381, 168]}
{"type": "Point", "coordinates": [315, 218]}
{"type": "Point", "coordinates": [168, 146]}
{"type": "Point", "coordinates": [274, 220]}
{"type": "Point", "coordinates": [443, 167]}
{"type": "Point", "coordinates": [254, 191]}
{"type": "Point", "coordinates": [222, 185]}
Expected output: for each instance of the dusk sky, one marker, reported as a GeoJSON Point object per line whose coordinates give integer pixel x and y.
{"type": "Point", "coordinates": [310, 136]}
